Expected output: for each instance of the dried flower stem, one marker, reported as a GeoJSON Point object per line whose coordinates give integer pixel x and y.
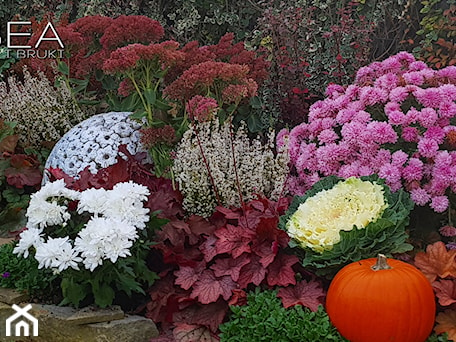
{"type": "Point", "coordinates": [238, 184]}
{"type": "Point", "coordinates": [219, 202]}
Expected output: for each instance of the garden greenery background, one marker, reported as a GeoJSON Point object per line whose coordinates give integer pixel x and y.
{"type": "Point", "coordinates": [258, 67]}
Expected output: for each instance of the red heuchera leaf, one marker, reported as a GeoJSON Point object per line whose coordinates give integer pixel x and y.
{"type": "Point", "coordinates": [437, 261]}
{"type": "Point", "coordinates": [253, 272]}
{"type": "Point", "coordinates": [9, 143]}
{"type": "Point", "coordinates": [187, 276]}
{"type": "Point", "coordinates": [208, 248]}
{"type": "Point", "coordinates": [280, 272]}
{"type": "Point", "coordinates": [210, 315]}
{"type": "Point", "coordinates": [200, 226]}
{"type": "Point", "coordinates": [230, 266]}
{"type": "Point", "coordinates": [23, 171]}
{"type": "Point", "coordinates": [209, 288]}
{"type": "Point", "coordinates": [445, 290]}
{"type": "Point", "coordinates": [193, 333]}
{"type": "Point", "coordinates": [164, 300]}
{"type": "Point", "coordinates": [308, 294]}
{"type": "Point", "coordinates": [233, 240]}
{"type": "Point", "coordinates": [446, 323]}
{"type": "Point", "coordinates": [268, 239]}
{"type": "Point", "coordinates": [239, 297]}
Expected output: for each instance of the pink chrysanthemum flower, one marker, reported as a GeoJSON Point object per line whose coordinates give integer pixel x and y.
{"type": "Point", "coordinates": [395, 121]}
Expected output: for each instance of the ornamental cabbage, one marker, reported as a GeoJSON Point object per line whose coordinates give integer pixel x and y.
{"type": "Point", "coordinates": [351, 203]}
{"type": "Point", "coordinates": [339, 221]}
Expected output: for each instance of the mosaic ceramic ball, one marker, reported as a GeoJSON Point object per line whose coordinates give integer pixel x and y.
{"type": "Point", "coordinates": [95, 142]}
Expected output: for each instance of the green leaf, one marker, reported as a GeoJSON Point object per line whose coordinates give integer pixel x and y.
{"type": "Point", "coordinates": [162, 105]}
{"type": "Point", "coordinates": [103, 294]}
{"type": "Point", "coordinates": [255, 102]}
{"type": "Point", "coordinates": [150, 95]}
{"type": "Point", "coordinates": [254, 123]}
{"type": "Point", "coordinates": [138, 114]}
{"type": "Point", "coordinates": [73, 293]}
{"type": "Point", "coordinates": [63, 68]}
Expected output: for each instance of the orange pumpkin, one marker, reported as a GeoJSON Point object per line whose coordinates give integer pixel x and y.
{"type": "Point", "coordinates": [375, 300]}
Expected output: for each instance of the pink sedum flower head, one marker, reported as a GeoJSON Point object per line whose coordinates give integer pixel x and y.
{"type": "Point", "coordinates": [395, 120]}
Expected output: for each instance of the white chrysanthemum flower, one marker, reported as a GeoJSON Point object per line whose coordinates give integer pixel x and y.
{"type": "Point", "coordinates": [103, 239]}
{"type": "Point", "coordinates": [125, 203]}
{"type": "Point", "coordinates": [93, 201]}
{"type": "Point", "coordinates": [133, 190]}
{"type": "Point", "coordinates": [352, 203]}
{"type": "Point", "coordinates": [57, 253]}
{"type": "Point", "coordinates": [42, 213]}
{"type": "Point", "coordinates": [55, 189]}
{"type": "Point", "coordinates": [31, 237]}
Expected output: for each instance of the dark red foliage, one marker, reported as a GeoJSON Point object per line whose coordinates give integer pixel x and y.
{"type": "Point", "coordinates": [163, 197]}
{"type": "Point", "coordinates": [211, 262]}
{"type": "Point", "coordinates": [23, 171]}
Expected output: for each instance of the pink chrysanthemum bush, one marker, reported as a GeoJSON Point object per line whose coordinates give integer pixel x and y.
{"type": "Point", "coordinates": [396, 120]}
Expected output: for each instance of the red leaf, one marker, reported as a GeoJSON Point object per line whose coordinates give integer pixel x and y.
{"type": "Point", "coordinates": [163, 303]}
{"type": "Point", "coordinates": [193, 333]}
{"type": "Point", "coordinates": [253, 272]}
{"type": "Point", "coordinates": [437, 261]}
{"type": "Point", "coordinates": [187, 276]}
{"type": "Point", "coordinates": [446, 323]}
{"type": "Point", "coordinates": [208, 248]}
{"type": "Point", "coordinates": [209, 288]}
{"type": "Point", "coordinates": [23, 171]}
{"type": "Point", "coordinates": [303, 293]}
{"type": "Point", "coordinates": [230, 266]}
{"type": "Point", "coordinates": [175, 231]}
{"type": "Point", "coordinates": [268, 240]}
{"type": "Point", "coordinates": [200, 226]}
{"type": "Point", "coordinates": [280, 272]}
{"type": "Point", "coordinates": [8, 144]}
{"type": "Point", "coordinates": [445, 290]}
{"type": "Point", "coordinates": [210, 315]}
{"type": "Point", "coordinates": [233, 240]}
{"type": "Point", "coordinates": [239, 297]}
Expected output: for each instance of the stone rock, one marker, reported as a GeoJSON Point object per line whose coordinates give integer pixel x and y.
{"type": "Point", "coordinates": [54, 327]}
{"type": "Point", "coordinates": [11, 296]}
{"type": "Point", "coordinates": [95, 315]}
{"type": "Point", "coordinates": [94, 143]}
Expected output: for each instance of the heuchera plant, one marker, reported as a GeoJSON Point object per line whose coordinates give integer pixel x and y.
{"type": "Point", "coordinates": [439, 265]}
{"type": "Point", "coordinates": [395, 120]}
{"type": "Point", "coordinates": [210, 264]}
{"type": "Point", "coordinates": [20, 175]}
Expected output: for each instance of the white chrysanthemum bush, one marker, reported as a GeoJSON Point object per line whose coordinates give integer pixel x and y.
{"type": "Point", "coordinates": [96, 239]}
{"type": "Point", "coordinates": [339, 221]}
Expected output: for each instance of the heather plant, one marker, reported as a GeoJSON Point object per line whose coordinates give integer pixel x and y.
{"type": "Point", "coordinates": [395, 120]}
{"type": "Point", "coordinates": [40, 111]}
{"type": "Point", "coordinates": [214, 165]}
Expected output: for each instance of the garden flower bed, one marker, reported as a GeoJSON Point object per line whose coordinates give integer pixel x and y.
{"type": "Point", "coordinates": [207, 216]}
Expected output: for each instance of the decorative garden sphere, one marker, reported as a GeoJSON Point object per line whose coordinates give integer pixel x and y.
{"type": "Point", "coordinates": [95, 143]}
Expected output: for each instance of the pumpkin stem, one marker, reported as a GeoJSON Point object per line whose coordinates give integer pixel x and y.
{"type": "Point", "coordinates": [381, 263]}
